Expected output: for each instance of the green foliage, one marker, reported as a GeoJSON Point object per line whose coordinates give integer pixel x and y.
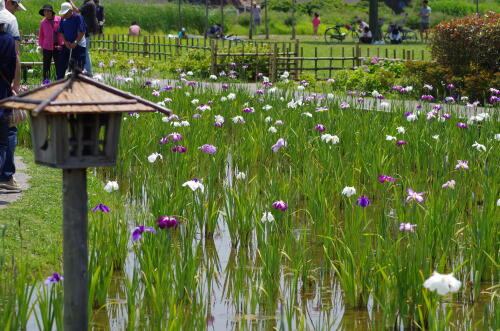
{"type": "Point", "coordinates": [454, 8]}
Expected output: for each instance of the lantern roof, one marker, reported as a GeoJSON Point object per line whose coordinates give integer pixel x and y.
{"type": "Point", "coordinates": [80, 94]}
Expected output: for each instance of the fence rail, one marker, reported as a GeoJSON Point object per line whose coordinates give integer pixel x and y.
{"type": "Point", "coordinates": [281, 56]}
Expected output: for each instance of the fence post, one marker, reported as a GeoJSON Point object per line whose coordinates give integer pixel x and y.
{"type": "Point", "coordinates": [213, 57]}
{"type": "Point", "coordinates": [296, 54]}
{"type": "Point", "coordinates": [145, 46]}
{"type": "Point", "coordinates": [408, 56]}
{"type": "Point", "coordinates": [114, 44]}
{"type": "Point", "coordinates": [177, 46]}
{"type": "Point", "coordinates": [273, 63]}
{"type": "Point", "coordinates": [358, 55]}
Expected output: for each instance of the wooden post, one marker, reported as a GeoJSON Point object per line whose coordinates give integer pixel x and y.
{"type": "Point", "coordinates": [423, 55]}
{"type": "Point", "coordinates": [273, 63]}
{"type": "Point", "coordinates": [213, 57]}
{"type": "Point", "coordinates": [408, 55]}
{"type": "Point", "coordinates": [145, 50]}
{"type": "Point", "coordinates": [343, 56]}
{"type": "Point", "coordinates": [75, 253]}
{"type": "Point", "coordinates": [331, 64]}
{"type": "Point", "coordinates": [177, 46]}
{"type": "Point", "coordinates": [296, 54]}
{"type": "Point", "coordinates": [386, 53]}
{"type": "Point", "coordinates": [358, 55]}
{"type": "Point", "coordinates": [114, 44]}
{"type": "Point", "coordinates": [315, 63]}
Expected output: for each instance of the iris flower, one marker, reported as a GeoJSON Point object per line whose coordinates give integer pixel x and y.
{"type": "Point", "coordinates": [138, 231]}
{"type": "Point", "coordinates": [363, 201]}
{"type": "Point", "coordinates": [54, 278]}
{"type": "Point", "coordinates": [408, 227]}
{"type": "Point", "coordinates": [194, 185]}
{"type": "Point", "coordinates": [279, 144]}
{"type": "Point", "coordinates": [462, 165]}
{"type": "Point", "coordinates": [442, 283]}
{"type": "Point", "coordinates": [267, 217]}
{"type": "Point", "coordinates": [101, 207]}
{"type": "Point", "coordinates": [349, 191]}
{"type": "Point", "coordinates": [209, 149]}
{"type": "Point", "coordinates": [385, 178]}
{"type": "Point", "coordinates": [111, 186]}
{"type": "Point", "coordinates": [449, 184]}
{"type": "Point", "coordinates": [167, 222]}
{"type": "Point", "coordinates": [281, 205]}
{"type": "Point", "coordinates": [152, 158]}
{"type": "Point", "coordinates": [412, 195]}
{"type": "Point", "coordinates": [320, 128]}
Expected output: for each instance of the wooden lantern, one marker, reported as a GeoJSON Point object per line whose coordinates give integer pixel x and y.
{"type": "Point", "coordinates": [75, 125]}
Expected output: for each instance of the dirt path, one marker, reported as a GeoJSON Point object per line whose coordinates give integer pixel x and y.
{"type": "Point", "coordinates": [22, 179]}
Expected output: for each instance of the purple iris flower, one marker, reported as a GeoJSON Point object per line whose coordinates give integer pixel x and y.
{"type": "Point", "coordinates": [401, 142]}
{"type": "Point", "coordinates": [385, 178]}
{"type": "Point", "coordinates": [138, 231]}
{"type": "Point", "coordinates": [197, 116]}
{"type": "Point", "coordinates": [46, 82]}
{"type": "Point", "coordinates": [174, 137]}
{"type": "Point", "coordinates": [279, 144]}
{"type": "Point", "coordinates": [408, 227]}
{"type": "Point", "coordinates": [167, 222]}
{"type": "Point", "coordinates": [363, 201]}
{"type": "Point", "coordinates": [281, 205]}
{"type": "Point", "coordinates": [462, 125]}
{"type": "Point", "coordinates": [248, 110]}
{"type": "Point", "coordinates": [320, 128]}
{"type": "Point", "coordinates": [412, 195]}
{"type": "Point", "coordinates": [450, 86]}
{"type": "Point", "coordinates": [192, 83]}
{"type": "Point", "coordinates": [101, 207]}
{"type": "Point", "coordinates": [179, 149]}
{"type": "Point", "coordinates": [408, 114]}
{"type": "Point", "coordinates": [54, 278]}
{"type": "Point", "coordinates": [224, 86]}
{"type": "Point", "coordinates": [166, 88]}
{"type": "Point", "coordinates": [209, 149]}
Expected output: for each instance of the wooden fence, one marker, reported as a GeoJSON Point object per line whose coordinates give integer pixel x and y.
{"type": "Point", "coordinates": [281, 56]}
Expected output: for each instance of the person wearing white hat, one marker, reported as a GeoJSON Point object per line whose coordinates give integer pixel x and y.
{"type": "Point", "coordinates": [72, 30]}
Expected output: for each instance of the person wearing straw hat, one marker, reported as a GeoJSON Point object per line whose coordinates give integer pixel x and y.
{"type": "Point", "coordinates": [72, 31]}
{"type": "Point", "coordinates": [49, 39]}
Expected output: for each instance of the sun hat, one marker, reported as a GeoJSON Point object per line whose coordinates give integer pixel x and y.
{"type": "Point", "coordinates": [65, 7]}
{"type": "Point", "coordinates": [46, 7]}
{"type": "Point", "coordinates": [20, 5]}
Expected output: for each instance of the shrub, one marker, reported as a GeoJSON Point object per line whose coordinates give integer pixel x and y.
{"type": "Point", "coordinates": [471, 41]}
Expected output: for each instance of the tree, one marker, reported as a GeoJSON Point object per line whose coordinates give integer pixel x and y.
{"type": "Point", "coordinates": [374, 23]}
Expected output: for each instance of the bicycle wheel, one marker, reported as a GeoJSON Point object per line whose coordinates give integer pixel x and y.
{"type": "Point", "coordinates": [387, 38]}
{"type": "Point", "coordinates": [411, 36]}
{"type": "Point", "coordinates": [354, 36]}
{"type": "Point", "coordinates": [332, 35]}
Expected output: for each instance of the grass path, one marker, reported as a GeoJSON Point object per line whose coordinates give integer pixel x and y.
{"type": "Point", "coordinates": [33, 223]}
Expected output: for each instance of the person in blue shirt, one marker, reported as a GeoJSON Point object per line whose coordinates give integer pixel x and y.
{"type": "Point", "coordinates": [8, 58]}
{"type": "Point", "coordinates": [72, 29]}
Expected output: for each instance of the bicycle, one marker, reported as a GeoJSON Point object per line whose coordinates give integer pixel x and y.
{"type": "Point", "coordinates": [339, 33]}
{"type": "Point", "coordinates": [406, 34]}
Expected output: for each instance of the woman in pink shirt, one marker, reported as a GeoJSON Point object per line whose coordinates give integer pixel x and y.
{"type": "Point", "coordinates": [316, 20]}
{"type": "Point", "coordinates": [48, 39]}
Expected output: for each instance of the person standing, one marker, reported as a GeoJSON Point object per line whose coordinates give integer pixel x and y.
{"type": "Point", "coordinates": [425, 20]}
{"type": "Point", "coordinates": [101, 18]}
{"type": "Point", "coordinates": [49, 39]}
{"type": "Point", "coordinates": [10, 69]}
{"type": "Point", "coordinates": [88, 12]}
{"type": "Point", "coordinates": [72, 30]}
{"type": "Point", "coordinates": [315, 22]}
{"type": "Point", "coordinates": [256, 14]}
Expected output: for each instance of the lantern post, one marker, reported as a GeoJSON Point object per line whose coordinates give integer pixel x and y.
{"type": "Point", "coordinates": [75, 124]}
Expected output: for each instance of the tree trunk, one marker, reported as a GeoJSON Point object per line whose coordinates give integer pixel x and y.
{"type": "Point", "coordinates": [374, 24]}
